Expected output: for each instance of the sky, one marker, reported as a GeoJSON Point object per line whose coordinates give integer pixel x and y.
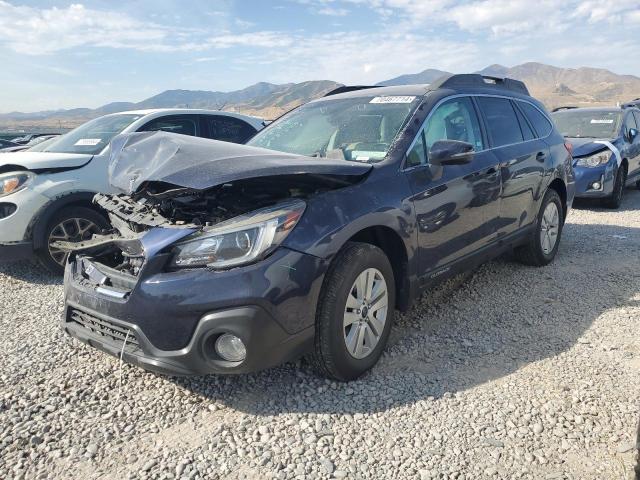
{"type": "Point", "coordinates": [57, 54]}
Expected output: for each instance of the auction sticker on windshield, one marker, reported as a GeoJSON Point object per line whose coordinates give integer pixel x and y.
{"type": "Point", "coordinates": [88, 142]}
{"type": "Point", "coordinates": [595, 120]}
{"type": "Point", "coordinates": [393, 99]}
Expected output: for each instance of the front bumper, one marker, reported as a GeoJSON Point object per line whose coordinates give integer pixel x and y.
{"type": "Point", "coordinates": [266, 342]}
{"type": "Point", "coordinates": [586, 176]}
{"type": "Point", "coordinates": [173, 318]}
{"type": "Point", "coordinates": [16, 227]}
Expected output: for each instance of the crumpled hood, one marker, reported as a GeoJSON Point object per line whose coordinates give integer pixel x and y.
{"type": "Point", "coordinates": [583, 147]}
{"type": "Point", "coordinates": [200, 163]}
{"type": "Point", "coordinates": [44, 160]}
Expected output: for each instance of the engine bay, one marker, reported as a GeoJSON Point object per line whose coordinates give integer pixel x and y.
{"type": "Point", "coordinates": [159, 204]}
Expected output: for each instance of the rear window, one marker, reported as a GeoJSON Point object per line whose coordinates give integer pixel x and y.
{"type": "Point", "coordinates": [502, 121]}
{"type": "Point", "coordinates": [540, 122]}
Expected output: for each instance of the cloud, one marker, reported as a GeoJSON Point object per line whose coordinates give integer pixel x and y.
{"type": "Point", "coordinates": [333, 12]}
{"type": "Point", "coordinates": [31, 30]}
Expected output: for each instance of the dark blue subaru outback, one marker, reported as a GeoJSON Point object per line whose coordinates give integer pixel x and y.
{"type": "Point", "coordinates": [231, 258]}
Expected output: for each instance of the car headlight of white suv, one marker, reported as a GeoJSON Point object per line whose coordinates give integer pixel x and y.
{"type": "Point", "coordinates": [597, 160]}
{"type": "Point", "coordinates": [13, 182]}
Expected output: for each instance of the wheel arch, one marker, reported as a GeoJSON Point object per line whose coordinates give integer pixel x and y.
{"type": "Point", "coordinates": [625, 164]}
{"type": "Point", "coordinates": [561, 189]}
{"type": "Point", "coordinates": [40, 221]}
{"type": "Point", "coordinates": [390, 242]}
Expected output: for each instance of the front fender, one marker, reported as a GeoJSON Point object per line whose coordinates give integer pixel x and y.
{"type": "Point", "coordinates": [41, 219]}
{"type": "Point", "coordinates": [333, 217]}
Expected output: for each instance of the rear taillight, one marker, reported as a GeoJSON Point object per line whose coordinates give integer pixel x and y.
{"type": "Point", "coordinates": [569, 147]}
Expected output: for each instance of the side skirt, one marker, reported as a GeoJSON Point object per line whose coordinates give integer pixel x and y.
{"type": "Point", "coordinates": [475, 259]}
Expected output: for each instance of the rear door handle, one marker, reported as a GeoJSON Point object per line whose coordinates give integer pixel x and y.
{"type": "Point", "coordinates": [541, 156]}
{"type": "Point", "coordinates": [491, 171]}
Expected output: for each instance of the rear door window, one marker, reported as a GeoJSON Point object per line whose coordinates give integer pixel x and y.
{"type": "Point", "coordinates": [502, 122]}
{"type": "Point", "coordinates": [227, 129]}
{"type": "Point", "coordinates": [540, 122]}
{"type": "Point", "coordinates": [182, 124]}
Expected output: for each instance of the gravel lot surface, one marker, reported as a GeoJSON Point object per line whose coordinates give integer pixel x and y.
{"type": "Point", "coordinates": [507, 372]}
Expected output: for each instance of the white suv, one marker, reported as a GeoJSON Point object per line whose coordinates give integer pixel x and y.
{"type": "Point", "coordinates": [46, 192]}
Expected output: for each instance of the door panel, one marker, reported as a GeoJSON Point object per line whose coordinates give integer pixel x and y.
{"type": "Point", "coordinates": [522, 158]}
{"type": "Point", "coordinates": [522, 169]}
{"type": "Point", "coordinates": [456, 205]}
{"type": "Point", "coordinates": [456, 209]}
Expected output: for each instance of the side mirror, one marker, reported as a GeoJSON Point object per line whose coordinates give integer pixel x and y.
{"type": "Point", "coordinates": [450, 152]}
{"type": "Point", "coordinates": [633, 133]}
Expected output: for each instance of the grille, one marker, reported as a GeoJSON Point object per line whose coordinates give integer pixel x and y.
{"type": "Point", "coordinates": [104, 328]}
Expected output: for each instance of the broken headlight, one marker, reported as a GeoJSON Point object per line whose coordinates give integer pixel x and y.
{"type": "Point", "coordinates": [240, 240]}
{"type": "Point", "coordinates": [596, 160]}
{"type": "Point", "coordinates": [14, 182]}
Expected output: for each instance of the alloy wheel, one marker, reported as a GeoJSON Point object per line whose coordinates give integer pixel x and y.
{"type": "Point", "coordinates": [365, 313]}
{"type": "Point", "coordinates": [549, 227]}
{"type": "Point", "coordinates": [70, 230]}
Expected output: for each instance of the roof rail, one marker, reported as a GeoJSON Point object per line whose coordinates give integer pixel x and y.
{"type": "Point", "coordinates": [348, 88]}
{"type": "Point", "coordinates": [568, 107]}
{"type": "Point", "coordinates": [477, 80]}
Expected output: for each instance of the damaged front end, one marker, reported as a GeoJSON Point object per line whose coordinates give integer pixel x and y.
{"type": "Point", "coordinates": [199, 203]}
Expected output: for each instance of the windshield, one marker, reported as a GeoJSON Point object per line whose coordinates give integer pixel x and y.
{"type": "Point", "coordinates": [92, 136]}
{"type": "Point", "coordinates": [588, 123]}
{"type": "Point", "coordinates": [360, 129]}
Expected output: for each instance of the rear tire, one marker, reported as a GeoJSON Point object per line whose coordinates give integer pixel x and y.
{"type": "Point", "coordinates": [615, 199]}
{"type": "Point", "coordinates": [543, 244]}
{"type": "Point", "coordinates": [75, 223]}
{"type": "Point", "coordinates": [353, 323]}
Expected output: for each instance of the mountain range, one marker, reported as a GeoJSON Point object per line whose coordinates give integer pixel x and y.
{"type": "Point", "coordinates": [554, 86]}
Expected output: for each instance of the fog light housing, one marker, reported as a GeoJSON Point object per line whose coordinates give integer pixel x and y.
{"type": "Point", "coordinates": [596, 185]}
{"type": "Point", "coordinates": [230, 348]}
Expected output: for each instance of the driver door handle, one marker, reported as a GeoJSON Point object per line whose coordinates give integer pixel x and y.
{"type": "Point", "coordinates": [541, 156]}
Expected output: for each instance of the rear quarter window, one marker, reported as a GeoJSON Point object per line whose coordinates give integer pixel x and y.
{"type": "Point", "coordinates": [540, 122]}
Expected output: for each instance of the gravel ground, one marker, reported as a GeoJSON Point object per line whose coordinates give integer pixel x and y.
{"type": "Point", "coordinates": [507, 372]}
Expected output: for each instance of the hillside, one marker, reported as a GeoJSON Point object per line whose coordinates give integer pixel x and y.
{"type": "Point", "coordinates": [554, 86]}
{"type": "Point", "coordinates": [426, 76]}
{"type": "Point", "coordinates": [571, 86]}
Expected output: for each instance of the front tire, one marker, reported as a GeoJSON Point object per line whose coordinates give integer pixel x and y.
{"type": "Point", "coordinates": [69, 224]}
{"type": "Point", "coordinates": [355, 312]}
{"type": "Point", "coordinates": [615, 199]}
{"type": "Point", "coordinates": [543, 244]}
